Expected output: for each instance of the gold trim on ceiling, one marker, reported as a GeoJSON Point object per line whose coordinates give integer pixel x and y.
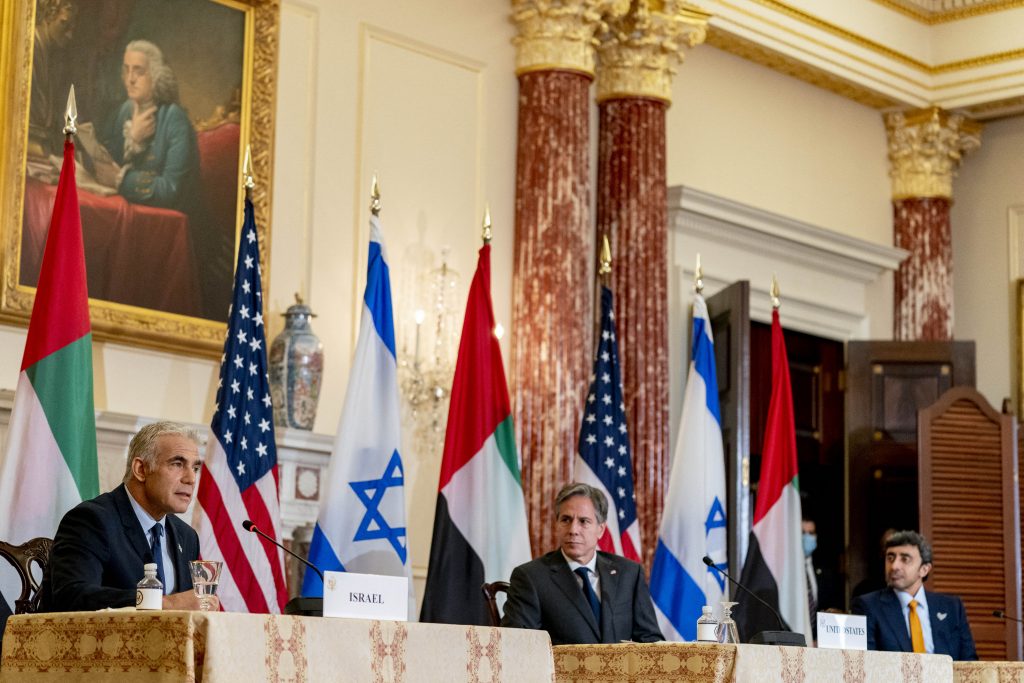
{"type": "Point", "coordinates": [871, 45]}
{"type": "Point", "coordinates": [945, 16]}
{"type": "Point", "coordinates": [759, 54]}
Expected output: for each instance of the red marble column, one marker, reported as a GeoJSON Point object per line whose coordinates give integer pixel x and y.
{"type": "Point", "coordinates": [924, 281]}
{"type": "Point", "coordinates": [925, 148]}
{"type": "Point", "coordinates": [552, 285]}
{"type": "Point", "coordinates": [632, 211]}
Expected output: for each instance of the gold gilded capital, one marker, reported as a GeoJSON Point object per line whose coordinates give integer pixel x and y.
{"type": "Point", "coordinates": [559, 34]}
{"type": "Point", "coordinates": [925, 149]}
{"type": "Point", "coordinates": [638, 53]}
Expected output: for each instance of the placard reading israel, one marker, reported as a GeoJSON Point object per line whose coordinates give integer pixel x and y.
{"type": "Point", "coordinates": [366, 596]}
{"type": "Point", "coordinates": [842, 631]}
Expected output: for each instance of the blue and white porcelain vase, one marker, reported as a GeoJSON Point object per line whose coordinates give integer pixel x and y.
{"type": "Point", "coordinates": [296, 369]}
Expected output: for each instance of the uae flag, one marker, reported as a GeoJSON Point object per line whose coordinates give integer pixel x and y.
{"type": "Point", "coordinates": [480, 532]}
{"type": "Point", "coordinates": [50, 463]}
{"type": "Point", "coordinates": [774, 568]}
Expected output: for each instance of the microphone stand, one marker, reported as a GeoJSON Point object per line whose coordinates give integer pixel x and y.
{"type": "Point", "coordinates": [782, 637]}
{"type": "Point", "coordinates": [301, 606]}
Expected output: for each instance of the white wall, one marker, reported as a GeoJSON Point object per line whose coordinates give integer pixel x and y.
{"type": "Point", "coordinates": [990, 183]}
{"type": "Point", "coordinates": [742, 131]}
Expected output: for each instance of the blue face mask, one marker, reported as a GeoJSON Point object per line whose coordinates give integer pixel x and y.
{"type": "Point", "coordinates": [810, 544]}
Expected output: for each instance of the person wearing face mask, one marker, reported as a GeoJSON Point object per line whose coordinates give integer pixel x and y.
{"type": "Point", "coordinates": [810, 542]}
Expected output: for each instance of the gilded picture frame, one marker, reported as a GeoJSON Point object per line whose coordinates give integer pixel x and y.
{"type": "Point", "coordinates": [159, 253]}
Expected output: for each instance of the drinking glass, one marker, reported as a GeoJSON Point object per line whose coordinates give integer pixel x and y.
{"type": "Point", "coordinates": [205, 575]}
{"type": "Point", "coordinates": [727, 631]}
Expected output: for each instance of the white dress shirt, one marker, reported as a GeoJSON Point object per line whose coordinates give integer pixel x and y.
{"type": "Point", "coordinates": [595, 580]}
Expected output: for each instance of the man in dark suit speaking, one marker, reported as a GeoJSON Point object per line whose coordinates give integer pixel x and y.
{"type": "Point", "coordinates": [101, 544]}
{"type": "Point", "coordinates": [577, 594]}
{"type": "Point", "coordinates": [906, 618]}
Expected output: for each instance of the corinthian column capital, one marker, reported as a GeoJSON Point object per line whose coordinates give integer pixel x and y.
{"type": "Point", "coordinates": [559, 34]}
{"type": "Point", "coordinates": [925, 149]}
{"type": "Point", "coordinates": [639, 51]}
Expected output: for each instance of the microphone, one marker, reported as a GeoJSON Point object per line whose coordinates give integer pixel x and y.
{"type": "Point", "coordinates": [1003, 615]}
{"type": "Point", "coordinates": [249, 526]}
{"type": "Point", "coordinates": [784, 636]}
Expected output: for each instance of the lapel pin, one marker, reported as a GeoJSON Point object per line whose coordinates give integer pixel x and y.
{"type": "Point", "coordinates": [614, 571]}
{"type": "Point", "coordinates": [179, 548]}
{"type": "Point", "coordinates": [941, 616]}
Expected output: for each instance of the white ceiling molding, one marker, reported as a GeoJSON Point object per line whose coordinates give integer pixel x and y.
{"type": "Point", "coordinates": [824, 276]}
{"type": "Point", "coordinates": [886, 53]}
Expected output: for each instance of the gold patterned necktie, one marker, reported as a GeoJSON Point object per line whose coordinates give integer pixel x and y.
{"type": "Point", "coordinates": [916, 634]}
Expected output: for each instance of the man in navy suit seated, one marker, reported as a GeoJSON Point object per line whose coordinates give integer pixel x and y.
{"type": "Point", "coordinates": [101, 544]}
{"type": "Point", "coordinates": [577, 593]}
{"type": "Point", "coordinates": [906, 618]}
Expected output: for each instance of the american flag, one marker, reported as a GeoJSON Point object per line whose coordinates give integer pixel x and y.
{"type": "Point", "coordinates": [239, 480]}
{"type": "Point", "coordinates": [605, 459]}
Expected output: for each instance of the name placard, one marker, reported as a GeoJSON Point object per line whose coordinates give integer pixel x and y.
{"type": "Point", "coordinates": [842, 631]}
{"type": "Point", "coordinates": [366, 596]}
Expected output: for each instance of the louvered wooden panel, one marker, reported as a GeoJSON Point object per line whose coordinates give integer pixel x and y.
{"type": "Point", "coordinates": [969, 510]}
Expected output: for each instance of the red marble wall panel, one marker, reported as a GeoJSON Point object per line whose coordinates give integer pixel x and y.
{"type": "Point", "coordinates": [552, 286]}
{"type": "Point", "coordinates": [923, 306]}
{"type": "Point", "coordinates": [632, 210]}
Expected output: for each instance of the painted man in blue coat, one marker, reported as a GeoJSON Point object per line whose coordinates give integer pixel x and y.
{"type": "Point", "coordinates": [150, 139]}
{"type": "Point", "coordinates": [904, 617]}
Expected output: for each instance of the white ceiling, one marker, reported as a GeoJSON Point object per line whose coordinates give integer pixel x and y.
{"type": "Point", "coordinates": [960, 55]}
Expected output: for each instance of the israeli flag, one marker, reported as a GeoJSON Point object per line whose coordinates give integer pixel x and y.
{"type": "Point", "coordinates": [693, 523]}
{"type": "Point", "coordinates": [362, 526]}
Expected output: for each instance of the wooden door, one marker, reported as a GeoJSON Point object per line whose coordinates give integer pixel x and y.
{"type": "Point", "coordinates": [969, 508]}
{"type": "Point", "coordinates": [887, 383]}
{"type": "Point", "coordinates": [729, 310]}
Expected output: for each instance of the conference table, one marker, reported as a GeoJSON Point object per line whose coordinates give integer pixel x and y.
{"type": "Point", "coordinates": [212, 647]}
{"type": "Point", "coordinates": [215, 647]}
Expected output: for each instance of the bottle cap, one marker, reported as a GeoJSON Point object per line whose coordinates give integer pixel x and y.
{"type": "Point", "coordinates": [149, 567]}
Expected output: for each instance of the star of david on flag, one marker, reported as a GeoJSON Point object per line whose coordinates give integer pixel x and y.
{"type": "Point", "coordinates": [604, 458]}
{"type": "Point", "coordinates": [361, 526]}
{"type": "Point", "coordinates": [693, 523]}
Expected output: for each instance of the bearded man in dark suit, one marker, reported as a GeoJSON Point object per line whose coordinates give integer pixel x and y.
{"type": "Point", "coordinates": [904, 617]}
{"type": "Point", "coordinates": [577, 593]}
{"type": "Point", "coordinates": [102, 544]}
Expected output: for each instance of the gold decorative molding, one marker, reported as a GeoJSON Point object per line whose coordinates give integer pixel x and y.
{"type": "Point", "coordinates": [925, 149]}
{"type": "Point", "coordinates": [757, 53]}
{"type": "Point", "coordinates": [945, 13]}
{"type": "Point", "coordinates": [638, 53]}
{"type": "Point", "coordinates": [560, 35]}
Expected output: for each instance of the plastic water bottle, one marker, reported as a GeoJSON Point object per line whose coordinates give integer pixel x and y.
{"type": "Point", "coordinates": [149, 593]}
{"type": "Point", "coordinates": [706, 626]}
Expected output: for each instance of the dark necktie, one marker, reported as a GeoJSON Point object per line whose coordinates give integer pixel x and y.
{"type": "Point", "coordinates": [588, 590]}
{"type": "Point", "coordinates": [158, 553]}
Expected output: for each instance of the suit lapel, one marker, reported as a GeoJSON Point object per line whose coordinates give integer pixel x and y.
{"type": "Point", "coordinates": [939, 642]}
{"type": "Point", "coordinates": [132, 529]}
{"type": "Point", "coordinates": [892, 612]}
{"type": "Point", "coordinates": [566, 581]}
{"type": "Point", "coordinates": [182, 573]}
{"type": "Point", "coordinates": [609, 577]}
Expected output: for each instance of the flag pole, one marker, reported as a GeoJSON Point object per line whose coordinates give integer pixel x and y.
{"type": "Point", "coordinates": [247, 179]}
{"type": "Point", "coordinates": [698, 277]}
{"type": "Point", "coordinates": [71, 115]}
{"type": "Point", "coordinates": [375, 205]}
{"type": "Point", "coordinates": [605, 270]}
{"type": "Point", "coordinates": [776, 302]}
{"type": "Point", "coordinates": [486, 234]}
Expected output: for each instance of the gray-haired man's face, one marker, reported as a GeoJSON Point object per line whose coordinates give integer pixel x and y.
{"type": "Point", "coordinates": [577, 528]}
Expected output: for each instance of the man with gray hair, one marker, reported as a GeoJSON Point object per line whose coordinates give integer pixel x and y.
{"type": "Point", "coordinates": [577, 593]}
{"type": "Point", "coordinates": [102, 544]}
{"type": "Point", "coordinates": [151, 140]}
{"type": "Point", "coordinates": [903, 617]}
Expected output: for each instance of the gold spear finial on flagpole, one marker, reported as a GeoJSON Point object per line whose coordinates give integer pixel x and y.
{"type": "Point", "coordinates": [775, 292]}
{"type": "Point", "coordinates": [71, 114]}
{"type": "Point", "coordinates": [486, 234]}
{"type": "Point", "coordinates": [247, 179]}
{"type": "Point", "coordinates": [606, 256]}
{"type": "Point", "coordinates": [698, 277]}
{"type": "Point", "coordinates": [375, 196]}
